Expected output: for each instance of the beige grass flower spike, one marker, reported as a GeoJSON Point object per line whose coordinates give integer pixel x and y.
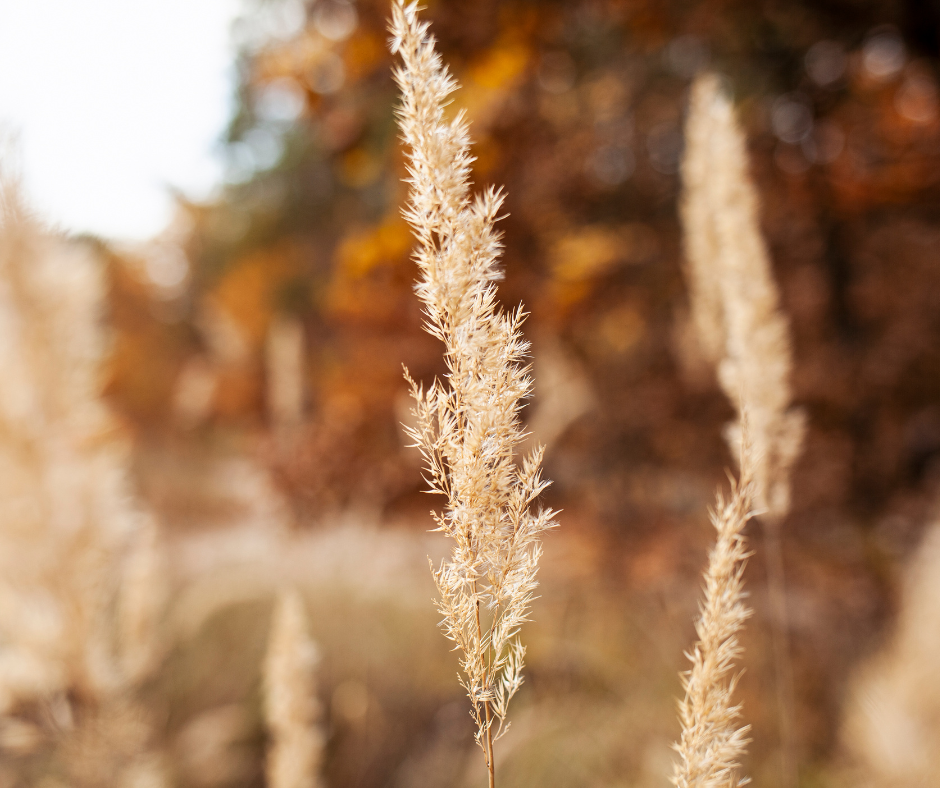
{"type": "Point", "coordinates": [469, 427]}
{"type": "Point", "coordinates": [734, 299]}
{"type": "Point", "coordinates": [741, 328]}
{"type": "Point", "coordinates": [712, 743]}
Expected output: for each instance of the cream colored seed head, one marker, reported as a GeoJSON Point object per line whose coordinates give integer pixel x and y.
{"type": "Point", "coordinates": [734, 301]}
{"type": "Point", "coordinates": [468, 427]}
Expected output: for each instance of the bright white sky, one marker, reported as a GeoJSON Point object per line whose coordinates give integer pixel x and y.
{"type": "Point", "coordinates": [113, 101]}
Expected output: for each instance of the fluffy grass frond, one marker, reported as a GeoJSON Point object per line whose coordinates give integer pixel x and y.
{"type": "Point", "coordinates": [734, 299]}
{"type": "Point", "coordinates": [736, 309]}
{"type": "Point", "coordinates": [712, 743]}
{"type": "Point", "coordinates": [468, 426]}
{"type": "Point", "coordinates": [67, 514]}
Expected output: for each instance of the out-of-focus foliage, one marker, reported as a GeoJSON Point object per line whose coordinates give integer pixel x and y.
{"type": "Point", "coordinates": [577, 109]}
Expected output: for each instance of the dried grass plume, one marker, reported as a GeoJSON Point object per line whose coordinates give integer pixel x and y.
{"type": "Point", "coordinates": [735, 307]}
{"type": "Point", "coordinates": [468, 428]}
{"type": "Point", "coordinates": [79, 575]}
{"type": "Point", "coordinates": [712, 742]}
{"type": "Point", "coordinates": [734, 300]}
{"type": "Point", "coordinates": [291, 709]}
{"type": "Point", "coordinates": [67, 513]}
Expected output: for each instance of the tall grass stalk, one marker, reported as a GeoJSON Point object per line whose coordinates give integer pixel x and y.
{"type": "Point", "coordinates": [468, 427]}
{"type": "Point", "coordinates": [736, 309]}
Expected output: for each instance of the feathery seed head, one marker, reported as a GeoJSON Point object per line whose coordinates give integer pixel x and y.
{"type": "Point", "coordinates": [712, 743]}
{"type": "Point", "coordinates": [468, 427]}
{"type": "Point", "coordinates": [734, 300]}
